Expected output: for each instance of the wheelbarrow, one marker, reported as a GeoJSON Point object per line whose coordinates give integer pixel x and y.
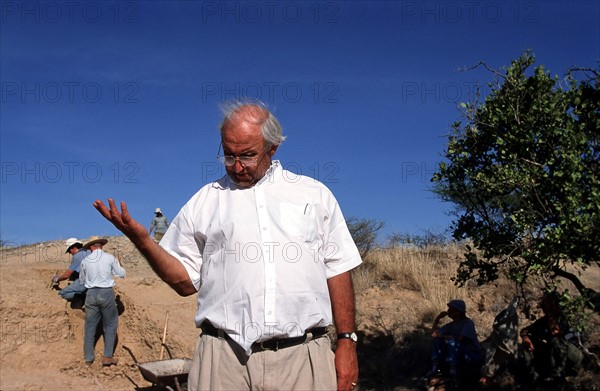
{"type": "Point", "coordinates": [169, 373]}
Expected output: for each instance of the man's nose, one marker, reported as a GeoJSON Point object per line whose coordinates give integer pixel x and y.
{"type": "Point", "coordinates": [238, 166]}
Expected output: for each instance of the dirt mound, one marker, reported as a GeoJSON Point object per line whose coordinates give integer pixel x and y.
{"type": "Point", "coordinates": [41, 346]}
{"type": "Point", "coordinates": [42, 335]}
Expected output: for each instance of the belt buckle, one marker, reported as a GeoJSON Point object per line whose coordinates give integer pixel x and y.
{"type": "Point", "coordinates": [263, 347]}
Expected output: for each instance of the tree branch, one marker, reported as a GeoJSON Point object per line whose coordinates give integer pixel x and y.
{"type": "Point", "coordinates": [585, 291]}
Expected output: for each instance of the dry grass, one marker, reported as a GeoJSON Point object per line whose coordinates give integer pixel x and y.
{"type": "Point", "coordinates": [399, 292]}
{"type": "Point", "coordinates": [424, 270]}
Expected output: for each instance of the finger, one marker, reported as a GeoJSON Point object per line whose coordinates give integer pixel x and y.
{"type": "Point", "coordinates": [124, 211]}
{"type": "Point", "coordinates": [112, 206]}
{"type": "Point", "coordinates": [114, 211]}
{"type": "Point", "coordinates": [100, 207]}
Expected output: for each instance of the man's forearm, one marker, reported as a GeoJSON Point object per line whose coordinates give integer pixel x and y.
{"type": "Point", "coordinates": [341, 293]}
{"type": "Point", "coordinates": [166, 266]}
{"type": "Point", "coordinates": [65, 276]}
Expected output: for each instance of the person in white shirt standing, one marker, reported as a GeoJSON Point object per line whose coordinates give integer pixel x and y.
{"type": "Point", "coordinates": [96, 272]}
{"type": "Point", "coordinates": [161, 223]}
{"type": "Point", "coordinates": [269, 254]}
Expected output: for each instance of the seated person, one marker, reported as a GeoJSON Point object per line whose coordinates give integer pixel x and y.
{"type": "Point", "coordinates": [500, 347]}
{"type": "Point", "coordinates": [546, 352]}
{"type": "Point", "coordinates": [456, 349]}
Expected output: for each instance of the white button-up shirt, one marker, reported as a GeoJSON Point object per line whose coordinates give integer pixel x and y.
{"type": "Point", "coordinates": [98, 268]}
{"type": "Point", "coordinates": [260, 257]}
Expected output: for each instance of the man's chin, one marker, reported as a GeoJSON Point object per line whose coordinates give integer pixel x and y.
{"type": "Point", "coordinates": [243, 182]}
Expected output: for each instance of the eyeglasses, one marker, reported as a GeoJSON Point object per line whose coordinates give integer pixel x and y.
{"type": "Point", "coordinates": [244, 160]}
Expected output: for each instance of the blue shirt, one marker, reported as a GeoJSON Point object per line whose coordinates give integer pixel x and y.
{"type": "Point", "coordinates": [464, 328]}
{"type": "Point", "coordinates": [77, 258]}
{"type": "Point", "coordinates": [98, 269]}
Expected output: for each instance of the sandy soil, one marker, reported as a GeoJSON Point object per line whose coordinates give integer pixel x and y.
{"type": "Point", "coordinates": [42, 336]}
{"type": "Point", "coordinates": [41, 345]}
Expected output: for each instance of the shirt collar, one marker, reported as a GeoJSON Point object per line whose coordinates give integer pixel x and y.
{"type": "Point", "coordinates": [269, 176]}
{"type": "Point", "coordinates": [270, 173]}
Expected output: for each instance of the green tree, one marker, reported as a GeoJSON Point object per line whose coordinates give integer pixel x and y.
{"type": "Point", "coordinates": [522, 168]}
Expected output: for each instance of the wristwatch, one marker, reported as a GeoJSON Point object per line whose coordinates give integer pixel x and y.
{"type": "Point", "coordinates": [351, 336]}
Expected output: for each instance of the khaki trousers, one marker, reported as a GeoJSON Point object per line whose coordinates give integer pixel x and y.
{"type": "Point", "coordinates": [220, 364]}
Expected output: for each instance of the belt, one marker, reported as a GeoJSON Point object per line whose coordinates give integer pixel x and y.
{"type": "Point", "coordinates": [270, 344]}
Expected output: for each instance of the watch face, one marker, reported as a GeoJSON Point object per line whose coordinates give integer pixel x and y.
{"type": "Point", "coordinates": [354, 337]}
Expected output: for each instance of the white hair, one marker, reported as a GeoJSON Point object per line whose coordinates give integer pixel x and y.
{"type": "Point", "coordinates": [258, 114]}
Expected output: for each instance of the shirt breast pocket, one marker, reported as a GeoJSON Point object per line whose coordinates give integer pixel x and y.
{"type": "Point", "coordinates": [299, 221]}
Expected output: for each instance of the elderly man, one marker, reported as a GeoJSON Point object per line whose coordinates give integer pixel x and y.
{"type": "Point", "coordinates": [76, 287]}
{"type": "Point", "coordinates": [270, 259]}
{"type": "Point", "coordinates": [97, 271]}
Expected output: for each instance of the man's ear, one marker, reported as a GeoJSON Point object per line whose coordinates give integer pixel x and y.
{"type": "Point", "coordinates": [272, 150]}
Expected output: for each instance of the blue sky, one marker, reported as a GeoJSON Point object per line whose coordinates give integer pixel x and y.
{"type": "Point", "coordinates": [121, 99]}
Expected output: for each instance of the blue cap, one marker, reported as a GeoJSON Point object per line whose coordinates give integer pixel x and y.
{"type": "Point", "coordinates": [458, 304]}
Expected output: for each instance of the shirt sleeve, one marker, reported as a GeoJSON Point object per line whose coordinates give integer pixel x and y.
{"type": "Point", "coordinates": [73, 265]}
{"type": "Point", "coordinates": [340, 251]}
{"type": "Point", "coordinates": [445, 329]}
{"type": "Point", "coordinates": [76, 260]}
{"type": "Point", "coordinates": [180, 242]}
{"type": "Point", "coordinates": [117, 269]}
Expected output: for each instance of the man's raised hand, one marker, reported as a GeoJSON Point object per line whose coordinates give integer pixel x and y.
{"type": "Point", "coordinates": [122, 220]}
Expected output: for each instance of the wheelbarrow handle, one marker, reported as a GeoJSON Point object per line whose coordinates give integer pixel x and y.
{"type": "Point", "coordinates": [130, 353]}
{"type": "Point", "coordinates": [168, 350]}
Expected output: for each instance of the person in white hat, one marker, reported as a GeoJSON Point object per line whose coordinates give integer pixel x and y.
{"type": "Point", "coordinates": [161, 223]}
{"type": "Point", "coordinates": [74, 247]}
{"type": "Point", "coordinates": [97, 271]}
{"type": "Point", "coordinates": [456, 349]}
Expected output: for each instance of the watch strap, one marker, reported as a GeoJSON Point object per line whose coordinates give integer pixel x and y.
{"type": "Point", "coordinates": [351, 336]}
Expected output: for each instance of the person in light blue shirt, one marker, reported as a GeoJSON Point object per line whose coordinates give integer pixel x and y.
{"type": "Point", "coordinates": [96, 273]}
{"type": "Point", "coordinates": [76, 287]}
